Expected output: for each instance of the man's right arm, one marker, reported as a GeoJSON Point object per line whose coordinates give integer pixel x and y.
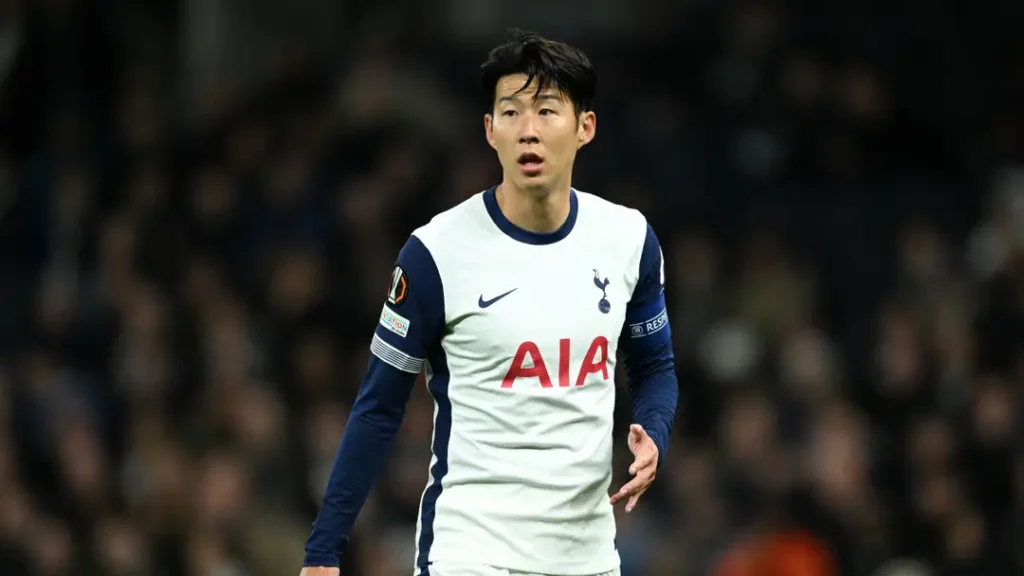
{"type": "Point", "coordinates": [410, 327]}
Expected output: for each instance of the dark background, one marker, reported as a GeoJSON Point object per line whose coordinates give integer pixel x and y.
{"type": "Point", "coordinates": [201, 200]}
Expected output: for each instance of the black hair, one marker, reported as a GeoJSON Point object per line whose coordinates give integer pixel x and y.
{"type": "Point", "coordinates": [550, 63]}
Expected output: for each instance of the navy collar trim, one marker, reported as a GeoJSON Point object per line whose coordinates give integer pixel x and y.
{"type": "Point", "coordinates": [526, 236]}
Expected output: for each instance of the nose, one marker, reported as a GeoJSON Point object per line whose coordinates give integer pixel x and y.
{"type": "Point", "coordinates": [528, 130]}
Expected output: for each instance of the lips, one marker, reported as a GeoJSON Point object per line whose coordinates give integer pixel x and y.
{"type": "Point", "coordinates": [530, 158]}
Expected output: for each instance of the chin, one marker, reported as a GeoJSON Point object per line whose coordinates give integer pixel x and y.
{"type": "Point", "coordinates": [537, 185]}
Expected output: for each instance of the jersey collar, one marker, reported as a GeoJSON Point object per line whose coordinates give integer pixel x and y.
{"type": "Point", "coordinates": [526, 236]}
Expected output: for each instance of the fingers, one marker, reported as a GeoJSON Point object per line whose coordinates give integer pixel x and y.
{"type": "Point", "coordinates": [637, 486]}
{"type": "Point", "coordinates": [636, 436]}
{"type": "Point", "coordinates": [632, 502]}
{"type": "Point", "coordinates": [628, 489]}
{"type": "Point", "coordinates": [642, 461]}
{"type": "Point", "coordinates": [643, 468]}
{"type": "Point", "coordinates": [645, 454]}
{"type": "Point", "coordinates": [632, 490]}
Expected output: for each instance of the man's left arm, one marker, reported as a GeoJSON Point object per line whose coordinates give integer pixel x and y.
{"type": "Point", "coordinates": [646, 343]}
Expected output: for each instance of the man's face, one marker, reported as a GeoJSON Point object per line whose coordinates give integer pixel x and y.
{"type": "Point", "coordinates": [536, 135]}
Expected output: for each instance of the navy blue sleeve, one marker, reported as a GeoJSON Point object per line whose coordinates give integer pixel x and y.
{"type": "Point", "coordinates": [411, 322]}
{"type": "Point", "coordinates": [646, 344]}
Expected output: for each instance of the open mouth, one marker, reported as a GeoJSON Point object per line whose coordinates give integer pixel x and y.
{"type": "Point", "coordinates": [530, 161]}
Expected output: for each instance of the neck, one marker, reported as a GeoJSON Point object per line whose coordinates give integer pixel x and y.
{"type": "Point", "coordinates": [536, 212]}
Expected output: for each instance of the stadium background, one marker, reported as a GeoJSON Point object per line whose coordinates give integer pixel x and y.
{"type": "Point", "coordinates": [200, 202]}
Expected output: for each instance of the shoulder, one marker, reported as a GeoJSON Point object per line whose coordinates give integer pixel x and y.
{"type": "Point", "coordinates": [455, 226]}
{"type": "Point", "coordinates": [615, 220]}
{"type": "Point", "coordinates": [445, 239]}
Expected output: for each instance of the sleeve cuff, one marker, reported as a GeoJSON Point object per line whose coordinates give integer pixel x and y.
{"type": "Point", "coordinates": [317, 559]}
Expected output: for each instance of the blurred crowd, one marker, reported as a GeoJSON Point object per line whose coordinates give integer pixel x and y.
{"type": "Point", "coordinates": [193, 260]}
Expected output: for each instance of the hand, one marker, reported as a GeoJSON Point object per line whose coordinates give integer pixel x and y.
{"type": "Point", "coordinates": [320, 571]}
{"type": "Point", "coordinates": [643, 470]}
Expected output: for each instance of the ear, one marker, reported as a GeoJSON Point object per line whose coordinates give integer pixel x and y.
{"type": "Point", "coordinates": [586, 129]}
{"type": "Point", "coordinates": [489, 129]}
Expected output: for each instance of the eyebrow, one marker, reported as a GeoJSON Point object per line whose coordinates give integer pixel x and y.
{"type": "Point", "coordinates": [538, 97]}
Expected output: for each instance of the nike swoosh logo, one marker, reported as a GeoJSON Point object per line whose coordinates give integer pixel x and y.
{"type": "Point", "coordinates": [485, 303]}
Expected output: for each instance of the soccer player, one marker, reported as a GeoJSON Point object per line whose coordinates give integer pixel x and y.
{"type": "Point", "coordinates": [515, 303]}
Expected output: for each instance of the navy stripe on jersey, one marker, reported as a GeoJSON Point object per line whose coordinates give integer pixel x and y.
{"type": "Point", "coordinates": [439, 377]}
{"type": "Point", "coordinates": [646, 344]}
{"type": "Point", "coordinates": [526, 236]}
{"type": "Point", "coordinates": [410, 329]}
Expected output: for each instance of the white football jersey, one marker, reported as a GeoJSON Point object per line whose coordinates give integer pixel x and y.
{"type": "Point", "coordinates": [518, 333]}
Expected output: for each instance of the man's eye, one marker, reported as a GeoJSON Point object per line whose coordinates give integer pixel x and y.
{"type": "Point", "coordinates": [546, 111]}
{"type": "Point", "coordinates": [509, 113]}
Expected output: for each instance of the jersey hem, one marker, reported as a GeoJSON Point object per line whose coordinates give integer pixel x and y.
{"type": "Point", "coordinates": [548, 569]}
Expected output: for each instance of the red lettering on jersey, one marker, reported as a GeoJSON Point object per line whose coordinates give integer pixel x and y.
{"type": "Point", "coordinates": [538, 370]}
{"type": "Point", "coordinates": [595, 361]}
{"type": "Point", "coordinates": [591, 363]}
{"type": "Point", "coordinates": [563, 363]}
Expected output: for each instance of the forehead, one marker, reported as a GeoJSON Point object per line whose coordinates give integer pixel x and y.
{"type": "Point", "coordinates": [511, 86]}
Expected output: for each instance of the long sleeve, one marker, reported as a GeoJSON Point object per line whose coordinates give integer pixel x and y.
{"type": "Point", "coordinates": [646, 344]}
{"type": "Point", "coordinates": [410, 327]}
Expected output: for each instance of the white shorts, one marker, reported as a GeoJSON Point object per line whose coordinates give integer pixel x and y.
{"type": "Point", "coordinates": [469, 569]}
